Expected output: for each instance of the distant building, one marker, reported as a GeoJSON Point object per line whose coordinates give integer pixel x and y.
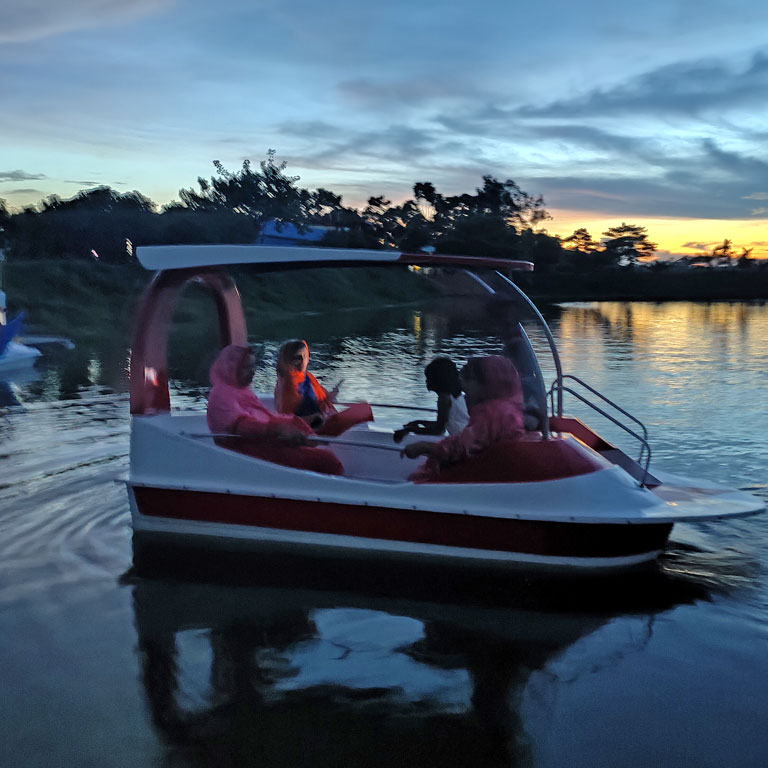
{"type": "Point", "coordinates": [288, 234]}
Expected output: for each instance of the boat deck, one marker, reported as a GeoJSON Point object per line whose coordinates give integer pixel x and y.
{"type": "Point", "coordinates": [366, 451]}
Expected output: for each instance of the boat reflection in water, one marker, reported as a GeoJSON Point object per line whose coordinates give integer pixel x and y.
{"type": "Point", "coordinates": [386, 674]}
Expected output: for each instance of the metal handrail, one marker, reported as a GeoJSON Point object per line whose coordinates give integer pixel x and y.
{"type": "Point", "coordinates": [603, 398]}
{"type": "Point", "coordinates": [645, 448]}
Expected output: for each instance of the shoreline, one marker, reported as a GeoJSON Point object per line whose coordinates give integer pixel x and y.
{"type": "Point", "coordinates": [649, 285]}
{"type": "Point", "coordinates": [55, 295]}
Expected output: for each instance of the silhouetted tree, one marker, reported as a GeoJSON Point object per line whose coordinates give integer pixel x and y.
{"type": "Point", "coordinates": [578, 252]}
{"type": "Point", "coordinates": [498, 219]}
{"type": "Point", "coordinates": [744, 261]}
{"type": "Point", "coordinates": [723, 253]}
{"type": "Point", "coordinates": [581, 241]}
{"type": "Point", "coordinates": [626, 244]}
{"type": "Point", "coordinates": [488, 222]}
{"type": "Point", "coordinates": [480, 234]}
{"type": "Point", "coordinates": [542, 249]}
{"type": "Point", "coordinates": [180, 225]}
{"type": "Point", "coordinates": [507, 199]}
{"type": "Point", "coordinates": [94, 223]}
{"type": "Point", "coordinates": [402, 227]}
{"type": "Point", "coordinates": [264, 195]}
{"type": "Point", "coordinates": [5, 217]}
{"type": "Point", "coordinates": [324, 207]}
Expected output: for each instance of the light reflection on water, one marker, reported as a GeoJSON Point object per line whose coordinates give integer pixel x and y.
{"type": "Point", "coordinates": [298, 670]}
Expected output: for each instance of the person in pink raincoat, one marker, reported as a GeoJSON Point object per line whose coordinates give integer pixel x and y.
{"type": "Point", "coordinates": [495, 403]}
{"type": "Point", "coordinates": [246, 425]}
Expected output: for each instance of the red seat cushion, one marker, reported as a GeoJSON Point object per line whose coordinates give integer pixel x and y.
{"type": "Point", "coordinates": [524, 461]}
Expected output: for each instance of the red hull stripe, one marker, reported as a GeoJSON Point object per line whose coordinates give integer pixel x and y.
{"type": "Point", "coordinates": [402, 525]}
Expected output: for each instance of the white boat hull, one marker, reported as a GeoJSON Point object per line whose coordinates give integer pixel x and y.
{"type": "Point", "coordinates": [192, 491]}
{"type": "Point", "coordinates": [17, 357]}
{"type": "Point", "coordinates": [561, 495]}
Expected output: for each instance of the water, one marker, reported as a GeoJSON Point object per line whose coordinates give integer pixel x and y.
{"type": "Point", "coordinates": [304, 667]}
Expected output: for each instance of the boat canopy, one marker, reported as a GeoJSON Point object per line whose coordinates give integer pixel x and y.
{"type": "Point", "coordinates": [178, 265]}
{"type": "Point", "coordinates": [281, 257]}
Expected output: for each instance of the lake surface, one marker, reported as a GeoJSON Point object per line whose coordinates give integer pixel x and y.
{"type": "Point", "coordinates": [101, 668]}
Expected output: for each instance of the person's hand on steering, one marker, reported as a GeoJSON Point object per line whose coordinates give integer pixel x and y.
{"type": "Point", "coordinates": [422, 448]}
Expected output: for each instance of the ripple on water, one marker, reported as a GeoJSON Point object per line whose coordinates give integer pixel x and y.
{"type": "Point", "coordinates": [63, 519]}
{"type": "Point", "coordinates": [308, 666]}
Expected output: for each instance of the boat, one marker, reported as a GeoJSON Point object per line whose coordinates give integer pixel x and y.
{"type": "Point", "coordinates": [17, 357]}
{"type": "Point", "coordinates": [14, 356]}
{"type": "Point", "coordinates": [17, 353]}
{"type": "Point", "coordinates": [563, 497]}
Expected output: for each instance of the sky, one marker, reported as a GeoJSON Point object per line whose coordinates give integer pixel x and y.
{"type": "Point", "coordinates": [652, 113]}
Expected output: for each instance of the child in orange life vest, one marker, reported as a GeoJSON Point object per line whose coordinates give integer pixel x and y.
{"type": "Point", "coordinates": [298, 392]}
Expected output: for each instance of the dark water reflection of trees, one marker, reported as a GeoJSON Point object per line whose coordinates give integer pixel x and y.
{"type": "Point", "coordinates": [257, 706]}
{"type": "Point", "coordinates": [245, 671]}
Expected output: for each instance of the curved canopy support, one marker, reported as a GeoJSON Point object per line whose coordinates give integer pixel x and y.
{"type": "Point", "coordinates": [149, 355]}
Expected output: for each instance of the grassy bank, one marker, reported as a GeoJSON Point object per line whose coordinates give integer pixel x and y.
{"type": "Point", "coordinates": [83, 300]}
{"type": "Point", "coordinates": [86, 300]}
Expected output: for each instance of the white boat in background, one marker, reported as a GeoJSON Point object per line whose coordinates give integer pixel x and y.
{"type": "Point", "coordinates": [14, 356]}
{"type": "Point", "coordinates": [16, 352]}
{"type": "Point", "coordinates": [562, 497]}
{"type": "Point", "coordinates": [17, 357]}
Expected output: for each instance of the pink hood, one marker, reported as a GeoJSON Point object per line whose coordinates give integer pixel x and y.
{"type": "Point", "coordinates": [228, 402]}
{"type": "Point", "coordinates": [498, 378]}
{"type": "Point", "coordinates": [224, 368]}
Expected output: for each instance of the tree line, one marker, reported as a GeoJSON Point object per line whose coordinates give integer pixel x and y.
{"type": "Point", "coordinates": [499, 219]}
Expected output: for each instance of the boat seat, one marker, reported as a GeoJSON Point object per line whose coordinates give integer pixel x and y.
{"type": "Point", "coordinates": [578, 429]}
{"type": "Point", "coordinates": [532, 459]}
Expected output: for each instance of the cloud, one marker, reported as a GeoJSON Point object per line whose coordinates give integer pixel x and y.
{"type": "Point", "coordinates": [81, 183]}
{"type": "Point", "coordinates": [736, 164]}
{"type": "Point", "coordinates": [679, 193]}
{"type": "Point", "coordinates": [20, 176]}
{"type": "Point", "coordinates": [385, 95]}
{"type": "Point", "coordinates": [25, 20]}
{"type": "Point", "coordinates": [555, 139]}
{"type": "Point", "coordinates": [309, 129]}
{"type": "Point", "coordinates": [757, 196]}
{"type": "Point", "coordinates": [25, 191]}
{"type": "Point", "coordinates": [621, 175]}
{"type": "Point", "coordinates": [683, 88]}
{"type": "Point", "coordinates": [696, 180]}
{"type": "Point", "coordinates": [397, 142]}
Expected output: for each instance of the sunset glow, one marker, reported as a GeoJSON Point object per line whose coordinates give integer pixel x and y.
{"type": "Point", "coordinates": [674, 237]}
{"type": "Point", "coordinates": [658, 123]}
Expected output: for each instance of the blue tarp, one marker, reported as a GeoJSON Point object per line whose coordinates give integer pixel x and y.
{"type": "Point", "coordinates": [10, 331]}
{"type": "Point", "coordinates": [289, 235]}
